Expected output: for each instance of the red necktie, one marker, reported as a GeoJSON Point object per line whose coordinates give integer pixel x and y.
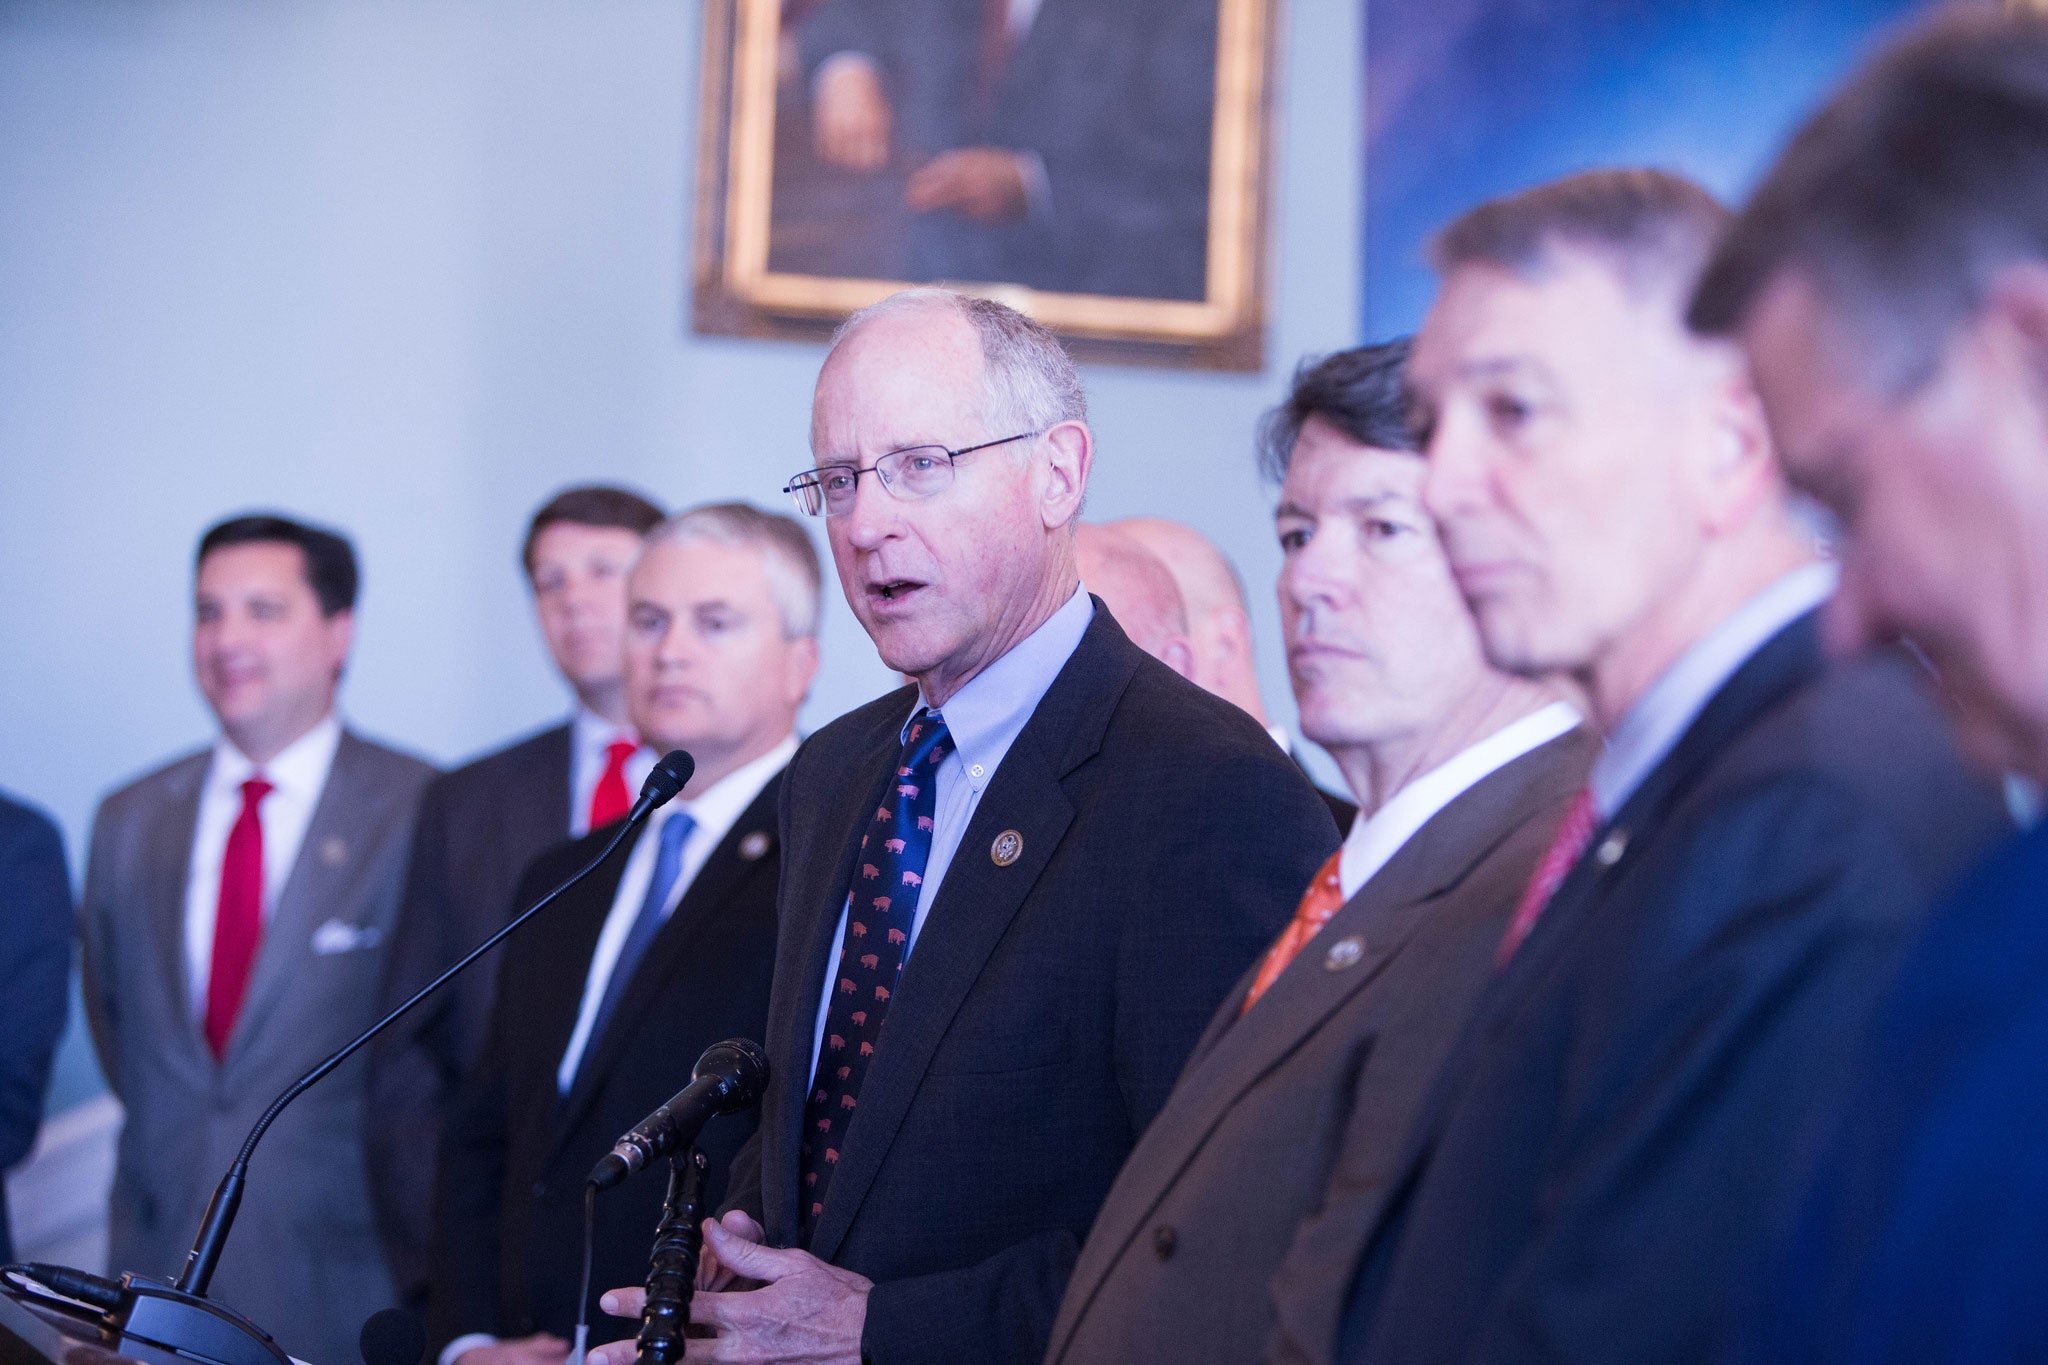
{"type": "Point", "coordinates": [1324, 898]}
{"type": "Point", "coordinates": [1566, 848]}
{"type": "Point", "coordinates": [237, 920]}
{"type": "Point", "coordinates": [609, 801]}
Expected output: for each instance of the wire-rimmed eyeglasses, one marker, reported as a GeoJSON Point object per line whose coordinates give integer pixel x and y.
{"type": "Point", "coordinates": [909, 474]}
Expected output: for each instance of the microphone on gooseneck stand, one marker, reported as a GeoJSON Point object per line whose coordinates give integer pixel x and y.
{"type": "Point", "coordinates": [392, 1337]}
{"type": "Point", "coordinates": [180, 1317]}
{"type": "Point", "coordinates": [729, 1077]}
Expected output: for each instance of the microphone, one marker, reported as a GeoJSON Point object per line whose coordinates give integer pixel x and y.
{"type": "Point", "coordinates": [392, 1337]}
{"type": "Point", "coordinates": [181, 1318]}
{"type": "Point", "coordinates": [729, 1077]}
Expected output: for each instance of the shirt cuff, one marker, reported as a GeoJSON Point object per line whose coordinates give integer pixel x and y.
{"type": "Point", "coordinates": [452, 1352]}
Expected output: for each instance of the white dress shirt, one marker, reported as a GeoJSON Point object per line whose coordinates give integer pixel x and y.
{"type": "Point", "coordinates": [297, 777]}
{"type": "Point", "coordinates": [1662, 714]}
{"type": "Point", "coordinates": [715, 811]}
{"type": "Point", "coordinates": [984, 719]}
{"type": "Point", "coordinates": [590, 735]}
{"type": "Point", "coordinates": [1376, 838]}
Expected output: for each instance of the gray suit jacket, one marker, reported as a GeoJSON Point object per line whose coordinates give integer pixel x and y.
{"type": "Point", "coordinates": [304, 1261]}
{"type": "Point", "coordinates": [1284, 1120]}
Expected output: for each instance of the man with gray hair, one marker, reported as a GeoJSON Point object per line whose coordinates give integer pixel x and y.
{"type": "Point", "coordinates": [1013, 893]}
{"type": "Point", "coordinates": [1890, 283]}
{"type": "Point", "coordinates": [1625, 1115]}
{"type": "Point", "coordinates": [607, 997]}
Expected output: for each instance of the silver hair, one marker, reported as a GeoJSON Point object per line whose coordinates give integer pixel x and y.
{"type": "Point", "coordinates": [1029, 378]}
{"type": "Point", "coordinates": [787, 556]}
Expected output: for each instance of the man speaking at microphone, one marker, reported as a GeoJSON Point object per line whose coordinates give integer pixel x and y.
{"type": "Point", "coordinates": [607, 998]}
{"type": "Point", "coordinates": [1012, 894]}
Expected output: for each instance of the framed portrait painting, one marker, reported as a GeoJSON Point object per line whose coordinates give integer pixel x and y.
{"type": "Point", "coordinates": [1098, 164]}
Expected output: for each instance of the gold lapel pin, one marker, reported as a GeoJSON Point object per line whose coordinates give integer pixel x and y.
{"type": "Point", "coordinates": [1007, 849]}
{"type": "Point", "coordinates": [1345, 952]}
{"type": "Point", "coordinates": [333, 852]}
{"type": "Point", "coordinates": [755, 846]}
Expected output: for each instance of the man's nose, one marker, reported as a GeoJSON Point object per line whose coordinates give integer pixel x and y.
{"type": "Point", "coordinates": [874, 514]}
{"type": "Point", "coordinates": [1454, 477]}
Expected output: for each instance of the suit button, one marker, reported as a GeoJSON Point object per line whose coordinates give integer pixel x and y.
{"type": "Point", "coordinates": [1164, 1239]}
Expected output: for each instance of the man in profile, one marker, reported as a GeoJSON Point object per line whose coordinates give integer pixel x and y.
{"type": "Point", "coordinates": [238, 907]}
{"type": "Point", "coordinates": [1461, 773]}
{"type": "Point", "coordinates": [1619, 1126]}
{"type": "Point", "coordinates": [1890, 283]}
{"type": "Point", "coordinates": [479, 827]}
{"type": "Point", "coordinates": [610, 994]}
{"type": "Point", "coordinates": [1013, 894]}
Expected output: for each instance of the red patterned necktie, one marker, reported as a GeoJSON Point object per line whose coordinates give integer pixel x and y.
{"type": "Point", "coordinates": [1567, 846]}
{"type": "Point", "coordinates": [237, 920]}
{"type": "Point", "coordinates": [609, 801]}
{"type": "Point", "coordinates": [1324, 898]}
{"type": "Point", "coordinates": [881, 907]}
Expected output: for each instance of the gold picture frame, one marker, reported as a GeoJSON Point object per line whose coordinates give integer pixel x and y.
{"type": "Point", "coordinates": [741, 290]}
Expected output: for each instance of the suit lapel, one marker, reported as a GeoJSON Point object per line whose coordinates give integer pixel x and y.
{"type": "Point", "coordinates": [167, 853]}
{"type": "Point", "coordinates": [975, 904]}
{"type": "Point", "coordinates": [702, 902]}
{"type": "Point", "coordinates": [815, 896]}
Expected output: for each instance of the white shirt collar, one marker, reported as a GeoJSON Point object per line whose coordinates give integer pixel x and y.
{"type": "Point", "coordinates": [593, 734]}
{"type": "Point", "coordinates": [986, 715]}
{"type": "Point", "coordinates": [1376, 838]}
{"type": "Point", "coordinates": [718, 807]}
{"type": "Point", "coordinates": [1661, 715]}
{"type": "Point", "coordinates": [299, 768]}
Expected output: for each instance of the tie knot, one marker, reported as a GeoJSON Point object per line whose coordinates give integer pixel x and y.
{"type": "Point", "coordinates": [255, 789]}
{"type": "Point", "coordinates": [927, 743]}
{"type": "Point", "coordinates": [618, 751]}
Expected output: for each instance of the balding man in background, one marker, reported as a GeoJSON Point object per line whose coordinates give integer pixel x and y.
{"type": "Point", "coordinates": [1219, 626]}
{"type": "Point", "coordinates": [1076, 850]}
{"type": "Point", "coordinates": [1890, 283]}
{"type": "Point", "coordinates": [1140, 593]}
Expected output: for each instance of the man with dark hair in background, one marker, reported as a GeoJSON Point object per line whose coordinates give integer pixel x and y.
{"type": "Point", "coordinates": [608, 997]}
{"type": "Point", "coordinates": [479, 826]}
{"type": "Point", "coordinates": [238, 906]}
{"type": "Point", "coordinates": [1890, 282]}
{"type": "Point", "coordinates": [36, 924]}
{"type": "Point", "coordinates": [1617, 1129]}
{"type": "Point", "coordinates": [1328, 1043]}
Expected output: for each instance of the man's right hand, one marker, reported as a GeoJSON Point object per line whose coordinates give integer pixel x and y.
{"type": "Point", "coordinates": [850, 113]}
{"type": "Point", "coordinates": [541, 1348]}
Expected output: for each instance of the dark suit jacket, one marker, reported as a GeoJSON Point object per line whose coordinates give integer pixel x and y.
{"type": "Point", "coordinates": [1334, 1058]}
{"type": "Point", "coordinates": [1048, 1005]}
{"type": "Point", "coordinates": [1116, 101]}
{"type": "Point", "coordinates": [1631, 1106]}
{"type": "Point", "coordinates": [479, 827]}
{"type": "Point", "coordinates": [508, 1230]}
{"type": "Point", "coordinates": [1924, 1236]}
{"type": "Point", "coordinates": [36, 924]}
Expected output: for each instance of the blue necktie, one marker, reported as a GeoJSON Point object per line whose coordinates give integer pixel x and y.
{"type": "Point", "coordinates": [881, 909]}
{"type": "Point", "coordinates": [668, 865]}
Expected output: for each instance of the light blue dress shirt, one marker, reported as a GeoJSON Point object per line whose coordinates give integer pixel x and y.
{"type": "Point", "coordinates": [984, 718]}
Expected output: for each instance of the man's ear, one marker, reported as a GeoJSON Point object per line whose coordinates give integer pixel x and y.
{"type": "Point", "coordinates": [2016, 312]}
{"type": "Point", "coordinates": [1070, 455]}
{"type": "Point", "coordinates": [341, 634]}
{"type": "Point", "coordinates": [1739, 468]}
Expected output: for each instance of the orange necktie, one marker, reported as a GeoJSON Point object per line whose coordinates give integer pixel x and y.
{"type": "Point", "coordinates": [1324, 898]}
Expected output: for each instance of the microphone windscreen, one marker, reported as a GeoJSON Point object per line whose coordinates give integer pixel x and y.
{"type": "Point", "coordinates": [670, 776]}
{"type": "Point", "coordinates": [743, 1064]}
{"type": "Point", "coordinates": [392, 1337]}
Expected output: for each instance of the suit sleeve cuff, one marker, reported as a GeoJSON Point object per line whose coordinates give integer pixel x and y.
{"type": "Point", "coordinates": [452, 1352]}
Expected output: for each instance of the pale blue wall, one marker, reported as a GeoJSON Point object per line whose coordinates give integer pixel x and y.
{"type": "Point", "coordinates": [408, 265]}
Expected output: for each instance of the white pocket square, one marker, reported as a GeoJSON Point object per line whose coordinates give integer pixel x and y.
{"type": "Point", "coordinates": [339, 936]}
